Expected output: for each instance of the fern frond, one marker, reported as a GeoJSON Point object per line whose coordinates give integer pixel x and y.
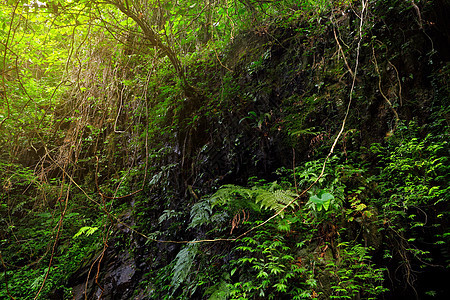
{"type": "Point", "coordinates": [271, 197]}
{"type": "Point", "coordinates": [184, 261]}
{"type": "Point", "coordinates": [85, 230]}
{"type": "Point", "coordinates": [274, 199]}
{"type": "Point", "coordinates": [234, 196]}
{"type": "Point", "coordinates": [238, 198]}
{"type": "Point", "coordinates": [225, 194]}
{"type": "Point", "coordinates": [168, 214]}
{"type": "Point", "coordinates": [200, 213]}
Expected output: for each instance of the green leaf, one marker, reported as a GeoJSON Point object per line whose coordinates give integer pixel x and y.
{"type": "Point", "coordinates": [322, 199]}
{"type": "Point", "coordinates": [184, 261]}
{"type": "Point", "coordinates": [85, 230]}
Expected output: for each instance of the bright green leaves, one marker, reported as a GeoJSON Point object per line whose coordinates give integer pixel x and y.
{"type": "Point", "coordinates": [237, 200]}
{"type": "Point", "coordinates": [322, 199]}
{"type": "Point", "coordinates": [38, 50]}
{"type": "Point", "coordinates": [86, 230]}
{"type": "Point", "coordinates": [355, 273]}
{"type": "Point", "coordinates": [416, 168]}
{"type": "Point", "coordinates": [266, 268]}
{"type": "Point", "coordinates": [269, 197]}
{"type": "Point", "coordinates": [276, 200]}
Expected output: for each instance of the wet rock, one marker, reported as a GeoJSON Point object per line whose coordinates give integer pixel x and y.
{"type": "Point", "coordinates": [116, 281]}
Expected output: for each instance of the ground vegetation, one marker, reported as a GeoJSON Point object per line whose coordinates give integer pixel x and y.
{"type": "Point", "coordinates": [224, 149]}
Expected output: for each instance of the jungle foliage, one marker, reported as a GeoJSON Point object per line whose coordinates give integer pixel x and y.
{"type": "Point", "coordinates": [224, 149]}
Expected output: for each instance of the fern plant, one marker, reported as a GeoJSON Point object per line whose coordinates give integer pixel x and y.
{"type": "Point", "coordinates": [275, 199]}
{"type": "Point", "coordinates": [184, 262]}
{"type": "Point", "coordinates": [266, 198]}
{"type": "Point", "coordinates": [237, 198]}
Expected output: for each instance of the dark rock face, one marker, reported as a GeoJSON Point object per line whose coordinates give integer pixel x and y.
{"type": "Point", "coordinates": [117, 279]}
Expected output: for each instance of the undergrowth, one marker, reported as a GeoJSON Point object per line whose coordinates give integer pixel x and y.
{"type": "Point", "coordinates": [193, 145]}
